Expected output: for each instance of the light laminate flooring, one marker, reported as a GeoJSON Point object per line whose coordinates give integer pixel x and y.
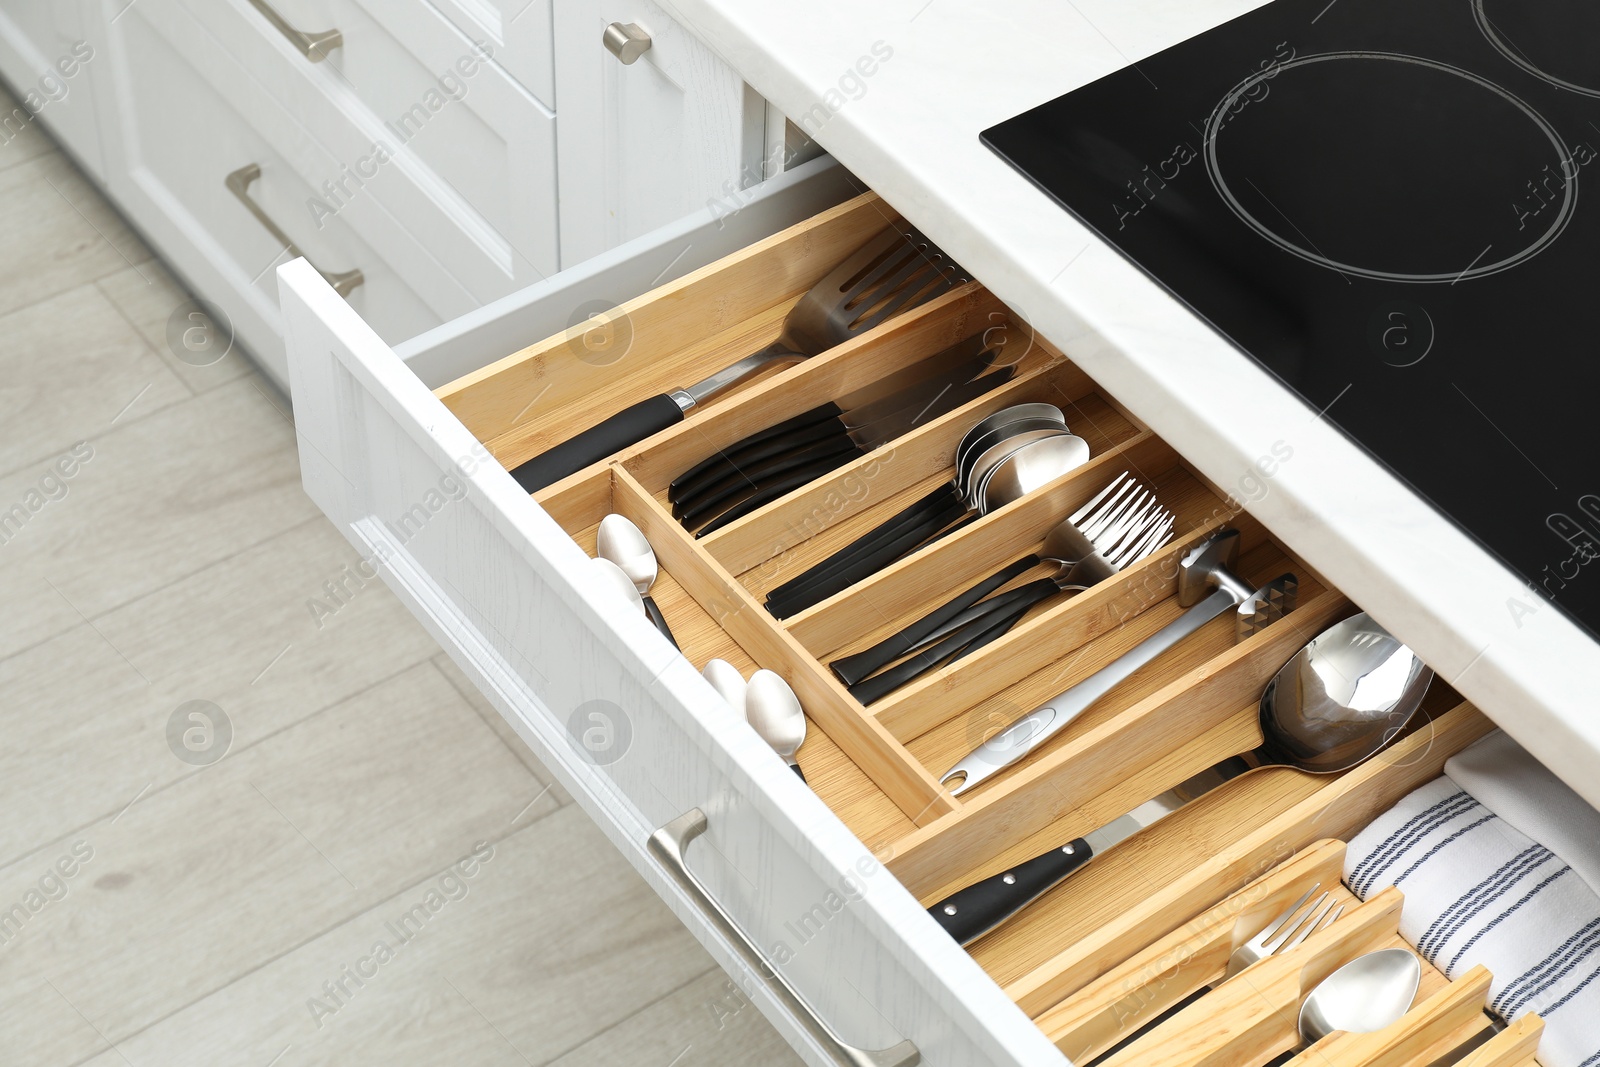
{"type": "Point", "coordinates": [160, 908]}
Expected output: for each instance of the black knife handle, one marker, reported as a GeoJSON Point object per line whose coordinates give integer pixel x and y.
{"type": "Point", "coordinates": [852, 669]}
{"type": "Point", "coordinates": [968, 914]}
{"type": "Point", "coordinates": [600, 441]}
{"type": "Point", "coordinates": [733, 452]}
{"type": "Point", "coordinates": [652, 609]}
{"type": "Point", "coordinates": [734, 465]}
{"type": "Point", "coordinates": [769, 493]}
{"type": "Point", "coordinates": [863, 565]}
{"type": "Point", "coordinates": [872, 541]}
{"type": "Point", "coordinates": [998, 617]}
{"type": "Point", "coordinates": [716, 495]}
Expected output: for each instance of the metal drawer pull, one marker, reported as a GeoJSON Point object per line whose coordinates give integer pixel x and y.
{"type": "Point", "coordinates": [314, 46]}
{"type": "Point", "coordinates": [625, 40]}
{"type": "Point", "coordinates": [667, 845]}
{"type": "Point", "coordinates": [239, 184]}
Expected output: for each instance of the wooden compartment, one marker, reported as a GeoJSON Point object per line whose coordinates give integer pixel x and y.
{"type": "Point", "coordinates": [1081, 960]}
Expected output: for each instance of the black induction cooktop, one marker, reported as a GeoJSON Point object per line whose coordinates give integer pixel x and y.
{"type": "Point", "coordinates": [1378, 200]}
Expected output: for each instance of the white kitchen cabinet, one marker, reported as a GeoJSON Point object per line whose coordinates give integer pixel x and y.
{"type": "Point", "coordinates": [419, 146]}
{"type": "Point", "coordinates": [520, 32]}
{"type": "Point", "coordinates": [645, 143]}
{"type": "Point", "coordinates": [178, 138]}
{"type": "Point", "coordinates": [46, 52]}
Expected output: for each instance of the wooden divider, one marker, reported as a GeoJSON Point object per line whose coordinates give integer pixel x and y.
{"type": "Point", "coordinates": [901, 777]}
{"type": "Point", "coordinates": [1438, 1025]}
{"type": "Point", "coordinates": [1198, 855]}
{"type": "Point", "coordinates": [1190, 958]}
{"type": "Point", "coordinates": [670, 332]}
{"type": "Point", "coordinates": [1512, 1047]}
{"type": "Point", "coordinates": [1251, 1017]}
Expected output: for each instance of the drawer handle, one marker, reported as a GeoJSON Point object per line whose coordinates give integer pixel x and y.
{"type": "Point", "coordinates": [625, 40]}
{"type": "Point", "coordinates": [667, 845]}
{"type": "Point", "coordinates": [239, 184]}
{"type": "Point", "coordinates": [314, 46]}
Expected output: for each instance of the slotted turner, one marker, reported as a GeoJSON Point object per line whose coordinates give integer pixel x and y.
{"type": "Point", "coordinates": [895, 271]}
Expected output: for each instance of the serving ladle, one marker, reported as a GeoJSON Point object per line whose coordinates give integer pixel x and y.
{"type": "Point", "coordinates": [1338, 702]}
{"type": "Point", "coordinates": [624, 544]}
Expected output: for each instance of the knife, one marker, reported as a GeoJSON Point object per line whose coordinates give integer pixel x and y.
{"type": "Point", "coordinates": [776, 439]}
{"type": "Point", "coordinates": [918, 405]}
{"type": "Point", "coordinates": [968, 914]}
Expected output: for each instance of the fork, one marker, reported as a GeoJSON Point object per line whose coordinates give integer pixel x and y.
{"type": "Point", "coordinates": [1121, 525]}
{"type": "Point", "coordinates": [1294, 925]}
{"type": "Point", "coordinates": [1286, 931]}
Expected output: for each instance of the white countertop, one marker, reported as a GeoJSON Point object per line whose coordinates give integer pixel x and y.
{"type": "Point", "coordinates": [910, 131]}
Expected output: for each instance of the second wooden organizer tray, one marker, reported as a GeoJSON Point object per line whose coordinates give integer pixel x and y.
{"type": "Point", "coordinates": [1066, 960]}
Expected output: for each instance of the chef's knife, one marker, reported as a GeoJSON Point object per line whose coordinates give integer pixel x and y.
{"type": "Point", "coordinates": [861, 431]}
{"type": "Point", "coordinates": [969, 913]}
{"type": "Point", "coordinates": [780, 438]}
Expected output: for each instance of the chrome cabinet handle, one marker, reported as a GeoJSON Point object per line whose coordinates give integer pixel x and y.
{"type": "Point", "coordinates": [667, 845]}
{"type": "Point", "coordinates": [314, 46]}
{"type": "Point", "coordinates": [239, 184]}
{"type": "Point", "coordinates": [625, 40]}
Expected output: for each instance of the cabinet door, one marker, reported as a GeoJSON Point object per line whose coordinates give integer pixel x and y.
{"type": "Point", "coordinates": [46, 54]}
{"type": "Point", "coordinates": [519, 31]}
{"type": "Point", "coordinates": [642, 144]}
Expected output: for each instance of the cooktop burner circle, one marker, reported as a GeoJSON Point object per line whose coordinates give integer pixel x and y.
{"type": "Point", "coordinates": [1389, 166]}
{"type": "Point", "coordinates": [1542, 42]}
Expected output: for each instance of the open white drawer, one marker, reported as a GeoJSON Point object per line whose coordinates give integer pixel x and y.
{"type": "Point", "coordinates": [829, 883]}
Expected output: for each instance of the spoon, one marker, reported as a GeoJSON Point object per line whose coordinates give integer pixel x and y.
{"type": "Point", "coordinates": [613, 576]}
{"type": "Point", "coordinates": [1339, 701]}
{"type": "Point", "coordinates": [728, 682]}
{"type": "Point", "coordinates": [1032, 465]}
{"type": "Point", "coordinates": [777, 716]}
{"type": "Point", "coordinates": [982, 449]}
{"type": "Point", "coordinates": [624, 544]}
{"type": "Point", "coordinates": [1365, 995]}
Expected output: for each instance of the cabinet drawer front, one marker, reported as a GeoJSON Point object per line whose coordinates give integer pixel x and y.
{"type": "Point", "coordinates": [438, 147]}
{"type": "Point", "coordinates": [519, 31]}
{"type": "Point", "coordinates": [182, 140]}
{"type": "Point", "coordinates": [628, 725]}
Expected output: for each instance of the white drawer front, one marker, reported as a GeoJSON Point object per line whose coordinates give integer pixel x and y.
{"type": "Point", "coordinates": [181, 140]}
{"type": "Point", "coordinates": [510, 595]}
{"type": "Point", "coordinates": [460, 131]}
{"type": "Point", "coordinates": [519, 30]}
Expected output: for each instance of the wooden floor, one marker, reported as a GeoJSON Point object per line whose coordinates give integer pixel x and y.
{"type": "Point", "coordinates": [376, 872]}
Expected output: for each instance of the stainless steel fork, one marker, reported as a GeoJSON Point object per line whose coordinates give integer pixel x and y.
{"type": "Point", "coordinates": [1294, 925]}
{"type": "Point", "coordinates": [1121, 525]}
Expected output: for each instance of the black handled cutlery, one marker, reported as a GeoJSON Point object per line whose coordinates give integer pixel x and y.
{"type": "Point", "coordinates": [895, 271]}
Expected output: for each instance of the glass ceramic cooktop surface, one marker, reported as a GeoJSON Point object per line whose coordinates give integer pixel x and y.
{"type": "Point", "coordinates": [1378, 200]}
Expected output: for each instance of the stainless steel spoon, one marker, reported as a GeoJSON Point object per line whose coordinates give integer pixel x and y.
{"type": "Point", "coordinates": [775, 712]}
{"type": "Point", "coordinates": [624, 544]}
{"type": "Point", "coordinates": [1365, 995]}
{"type": "Point", "coordinates": [728, 682]}
{"type": "Point", "coordinates": [1339, 701]}
{"type": "Point", "coordinates": [613, 576]}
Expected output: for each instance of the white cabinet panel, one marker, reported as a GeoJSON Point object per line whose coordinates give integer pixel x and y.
{"type": "Point", "coordinates": [645, 143]}
{"type": "Point", "coordinates": [519, 30]}
{"type": "Point", "coordinates": [418, 114]}
{"type": "Point", "coordinates": [46, 52]}
{"type": "Point", "coordinates": [177, 140]}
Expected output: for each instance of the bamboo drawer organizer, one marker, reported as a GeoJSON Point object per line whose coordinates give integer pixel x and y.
{"type": "Point", "coordinates": [1095, 958]}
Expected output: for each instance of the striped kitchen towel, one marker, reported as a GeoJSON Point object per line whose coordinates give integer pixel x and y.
{"type": "Point", "coordinates": [1477, 890]}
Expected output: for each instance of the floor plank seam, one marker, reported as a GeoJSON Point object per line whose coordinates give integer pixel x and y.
{"type": "Point", "coordinates": [387, 901]}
